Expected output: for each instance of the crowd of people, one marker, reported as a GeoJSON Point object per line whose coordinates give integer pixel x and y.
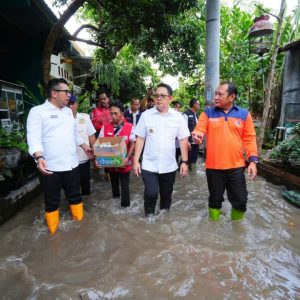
{"type": "Point", "coordinates": [156, 133]}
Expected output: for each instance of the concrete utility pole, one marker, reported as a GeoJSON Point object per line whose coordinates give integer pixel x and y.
{"type": "Point", "coordinates": [212, 62]}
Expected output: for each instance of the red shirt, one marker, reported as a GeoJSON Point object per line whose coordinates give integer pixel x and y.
{"type": "Point", "coordinates": [99, 117]}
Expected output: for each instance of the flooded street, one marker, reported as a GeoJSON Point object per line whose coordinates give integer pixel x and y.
{"type": "Point", "coordinates": [117, 253]}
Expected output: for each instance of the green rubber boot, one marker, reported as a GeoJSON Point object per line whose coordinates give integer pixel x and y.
{"type": "Point", "coordinates": [214, 214]}
{"type": "Point", "coordinates": [237, 215]}
{"type": "Point", "coordinates": [192, 167]}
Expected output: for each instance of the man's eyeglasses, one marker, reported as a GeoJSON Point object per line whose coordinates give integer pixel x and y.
{"type": "Point", "coordinates": [66, 91]}
{"type": "Point", "coordinates": [114, 113]}
{"type": "Point", "coordinates": [156, 96]}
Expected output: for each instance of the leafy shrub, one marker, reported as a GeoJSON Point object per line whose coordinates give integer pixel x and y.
{"type": "Point", "coordinates": [288, 151]}
{"type": "Point", "coordinates": [13, 140]}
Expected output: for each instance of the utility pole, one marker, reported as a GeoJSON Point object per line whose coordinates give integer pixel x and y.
{"type": "Point", "coordinates": [212, 61]}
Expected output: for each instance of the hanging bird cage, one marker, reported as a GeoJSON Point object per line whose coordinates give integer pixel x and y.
{"type": "Point", "coordinates": [261, 35]}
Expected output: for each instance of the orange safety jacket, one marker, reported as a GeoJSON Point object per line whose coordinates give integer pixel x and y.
{"type": "Point", "coordinates": [124, 131]}
{"type": "Point", "coordinates": [228, 137]}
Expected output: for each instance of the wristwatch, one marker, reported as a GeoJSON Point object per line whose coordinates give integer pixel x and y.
{"type": "Point", "coordinates": [185, 162]}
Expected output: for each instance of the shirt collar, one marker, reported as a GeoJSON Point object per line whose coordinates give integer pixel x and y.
{"type": "Point", "coordinates": [170, 111]}
{"type": "Point", "coordinates": [232, 108]}
{"type": "Point", "coordinates": [51, 106]}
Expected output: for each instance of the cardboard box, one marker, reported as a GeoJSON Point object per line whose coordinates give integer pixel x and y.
{"type": "Point", "coordinates": [110, 152]}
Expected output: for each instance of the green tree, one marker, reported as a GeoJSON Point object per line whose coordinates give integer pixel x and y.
{"type": "Point", "coordinates": [113, 24]}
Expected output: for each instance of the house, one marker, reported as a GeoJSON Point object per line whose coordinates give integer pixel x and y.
{"type": "Point", "coordinates": [290, 108]}
{"type": "Point", "coordinates": [24, 27]}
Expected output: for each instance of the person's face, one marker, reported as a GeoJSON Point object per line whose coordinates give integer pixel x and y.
{"type": "Point", "coordinates": [74, 107]}
{"type": "Point", "coordinates": [116, 115]}
{"type": "Point", "coordinates": [103, 100]}
{"type": "Point", "coordinates": [177, 107]}
{"type": "Point", "coordinates": [162, 99]}
{"type": "Point", "coordinates": [60, 95]}
{"type": "Point", "coordinates": [222, 98]}
{"type": "Point", "coordinates": [150, 103]}
{"type": "Point", "coordinates": [196, 106]}
{"type": "Point", "coordinates": [135, 105]}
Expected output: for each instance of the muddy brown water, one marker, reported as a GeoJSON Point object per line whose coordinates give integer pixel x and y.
{"type": "Point", "coordinates": [117, 253]}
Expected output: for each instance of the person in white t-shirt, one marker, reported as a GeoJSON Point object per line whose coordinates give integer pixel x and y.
{"type": "Point", "coordinates": [157, 129]}
{"type": "Point", "coordinates": [52, 139]}
{"type": "Point", "coordinates": [87, 132]}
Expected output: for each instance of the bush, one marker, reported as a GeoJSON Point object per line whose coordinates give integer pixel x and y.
{"type": "Point", "coordinates": [288, 151]}
{"type": "Point", "coordinates": [13, 140]}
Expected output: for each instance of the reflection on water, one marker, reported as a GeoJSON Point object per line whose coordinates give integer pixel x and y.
{"type": "Point", "coordinates": [117, 253]}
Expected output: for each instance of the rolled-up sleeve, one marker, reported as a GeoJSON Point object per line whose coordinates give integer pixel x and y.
{"type": "Point", "coordinates": [34, 131]}
{"type": "Point", "coordinates": [183, 131]}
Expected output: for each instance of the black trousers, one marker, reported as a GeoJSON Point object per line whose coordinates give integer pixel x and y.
{"type": "Point", "coordinates": [154, 183]}
{"type": "Point", "coordinates": [177, 154]}
{"type": "Point", "coordinates": [193, 153]}
{"type": "Point", "coordinates": [52, 185]}
{"type": "Point", "coordinates": [85, 177]}
{"type": "Point", "coordinates": [117, 179]}
{"type": "Point", "coordinates": [231, 180]}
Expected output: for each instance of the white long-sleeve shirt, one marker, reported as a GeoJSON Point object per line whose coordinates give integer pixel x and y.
{"type": "Point", "coordinates": [53, 132]}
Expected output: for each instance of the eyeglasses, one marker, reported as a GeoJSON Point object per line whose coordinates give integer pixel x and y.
{"type": "Point", "coordinates": [155, 96]}
{"type": "Point", "coordinates": [66, 91]}
{"type": "Point", "coordinates": [114, 113]}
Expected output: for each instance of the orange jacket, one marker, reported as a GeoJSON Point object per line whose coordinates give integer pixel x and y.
{"type": "Point", "coordinates": [228, 136]}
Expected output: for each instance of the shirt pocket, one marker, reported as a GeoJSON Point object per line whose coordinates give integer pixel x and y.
{"type": "Point", "coordinates": [171, 129]}
{"type": "Point", "coordinates": [151, 128]}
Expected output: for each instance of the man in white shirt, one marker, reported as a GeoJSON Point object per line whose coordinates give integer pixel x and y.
{"type": "Point", "coordinates": [52, 139]}
{"type": "Point", "coordinates": [87, 132]}
{"type": "Point", "coordinates": [157, 130]}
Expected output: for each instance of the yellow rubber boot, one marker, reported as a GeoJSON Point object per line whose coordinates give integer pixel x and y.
{"type": "Point", "coordinates": [52, 219]}
{"type": "Point", "coordinates": [77, 211]}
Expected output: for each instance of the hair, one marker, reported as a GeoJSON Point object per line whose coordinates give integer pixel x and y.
{"type": "Point", "coordinates": [174, 103]}
{"type": "Point", "coordinates": [232, 89]}
{"type": "Point", "coordinates": [164, 85]}
{"type": "Point", "coordinates": [102, 92]}
{"type": "Point", "coordinates": [134, 99]}
{"type": "Point", "coordinates": [193, 102]}
{"type": "Point", "coordinates": [117, 103]}
{"type": "Point", "coordinates": [53, 84]}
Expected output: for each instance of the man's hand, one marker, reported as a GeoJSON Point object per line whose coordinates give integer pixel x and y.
{"type": "Point", "coordinates": [184, 170]}
{"type": "Point", "coordinates": [197, 137]}
{"type": "Point", "coordinates": [42, 166]}
{"type": "Point", "coordinates": [252, 170]}
{"type": "Point", "coordinates": [96, 165]}
{"type": "Point", "coordinates": [88, 150]}
{"type": "Point", "coordinates": [136, 168]}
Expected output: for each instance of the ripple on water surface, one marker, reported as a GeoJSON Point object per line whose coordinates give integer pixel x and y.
{"type": "Point", "coordinates": [117, 253]}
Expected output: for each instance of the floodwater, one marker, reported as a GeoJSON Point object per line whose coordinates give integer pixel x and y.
{"type": "Point", "coordinates": [117, 253]}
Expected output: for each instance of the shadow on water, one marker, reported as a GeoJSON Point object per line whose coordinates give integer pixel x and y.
{"type": "Point", "coordinates": [117, 253]}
